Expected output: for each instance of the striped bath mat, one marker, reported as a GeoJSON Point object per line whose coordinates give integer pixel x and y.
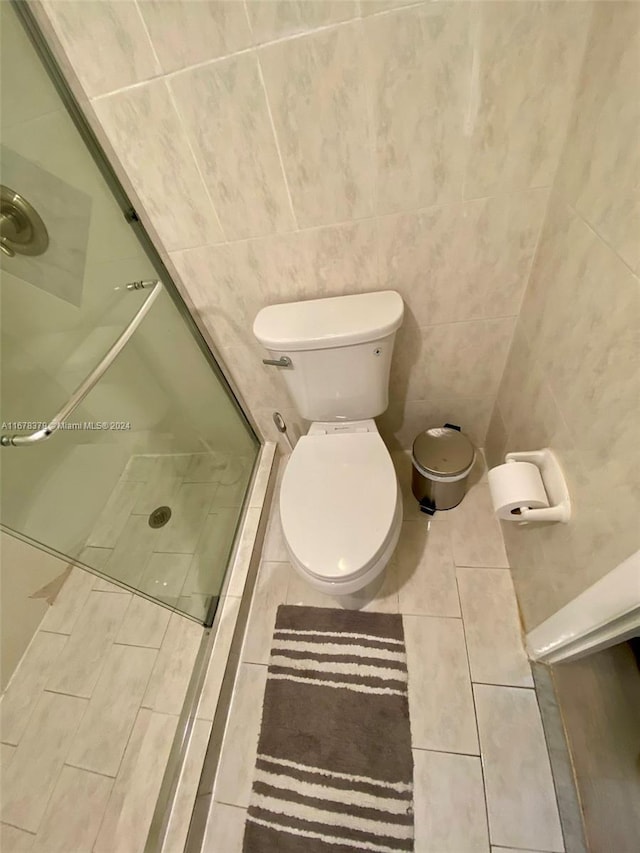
{"type": "Point", "coordinates": [334, 768]}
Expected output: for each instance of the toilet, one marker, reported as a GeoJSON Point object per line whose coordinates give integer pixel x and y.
{"type": "Point", "coordinates": [340, 503]}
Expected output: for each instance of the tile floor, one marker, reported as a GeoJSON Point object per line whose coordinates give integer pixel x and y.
{"type": "Point", "coordinates": [482, 774]}
{"type": "Point", "coordinates": [89, 716]}
{"type": "Point", "coordinates": [182, 563]}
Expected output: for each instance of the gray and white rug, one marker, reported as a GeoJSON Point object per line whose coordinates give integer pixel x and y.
{"type": "Point", "coordinates": [334, 772]}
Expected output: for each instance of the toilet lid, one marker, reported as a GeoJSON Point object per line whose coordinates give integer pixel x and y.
{"type": "Point", "coordinates": [337, 503]}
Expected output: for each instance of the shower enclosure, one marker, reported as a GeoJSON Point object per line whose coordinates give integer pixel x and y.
{"type": "Point", "coordinates": [124, 449]}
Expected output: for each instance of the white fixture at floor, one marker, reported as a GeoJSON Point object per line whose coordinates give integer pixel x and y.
{"type": "Point", "coordinates": [530, 487]}
{"type": "Point", "coordinates": [340, 504]}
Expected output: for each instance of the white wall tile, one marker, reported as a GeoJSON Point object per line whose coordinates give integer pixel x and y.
{"type": "Point", "coordinates": [105, 42]}
{"type": "Point", "coordinates": [282, 18]}
{"type": "Point", "coordinates": [317, 92]}
{"type": "Point", "coordinates": [150, 141]}
{"type": "Point", "coordinates": [520, 795]}
{"type": "Point", "coordinates": [226, 115]}
{"type": "Point", "coordinates": [527, 65]}
{"type": "Point", "coordinates": [185, 34]}
{"type": "Point", "coordinates": [598, 172]}
{"type": "Point", "coordinates": [419, 142]}
{"type": "Point", "coordinates": [462, 261]}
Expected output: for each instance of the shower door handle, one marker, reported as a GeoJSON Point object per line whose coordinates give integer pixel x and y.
{"type": "Point", "coordinates": [92, 379]}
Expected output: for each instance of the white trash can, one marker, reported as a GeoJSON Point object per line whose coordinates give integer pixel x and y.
{"type": "Point", "coordinates": [442, 461]}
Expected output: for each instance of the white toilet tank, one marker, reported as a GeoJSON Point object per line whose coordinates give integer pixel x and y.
{"type": "Point", "coordinates": [340, 350]}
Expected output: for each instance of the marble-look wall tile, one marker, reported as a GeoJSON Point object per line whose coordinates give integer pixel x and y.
{"type": "Point", "coordinates": [151, 143]}
{"type": "Point", "coordinates": [418, 141]}
{"type": "Point", "coordinates": [599, 172]}
{"type": "Point", "coordinates": [494, 447]}
{"type": "Point", "coordinates": [227, 118]}
{"type": "Point", "coordinates": [185, 34]}
{"type": "Point", "coordinates": [317, 91]}
{"type": "Point", "coordinates": [402, 422]}
{"type": "Point", "coordinates": [452, 360]}
{"type": "Point", "coordinates": [281, 18]}
{"type": "Point", "coordinates": [528, 58]}
{"type": "Point", "coordinates": [230, 283]}
{"type": "Point", "coordinates": [462, 261]}
{"type": "Point", "coordinates": [106, 43]}
{"type": "Point", "coordinates": [572, 372]}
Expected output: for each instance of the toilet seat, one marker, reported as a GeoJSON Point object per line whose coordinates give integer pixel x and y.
{"type": "Point", "coordinates": [340, 505]}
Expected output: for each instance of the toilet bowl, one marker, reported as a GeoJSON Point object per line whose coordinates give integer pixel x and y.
{"type": "Point", "coordinates": [340, 504]}
{"type": "Point", "coordinates": [341, 509]}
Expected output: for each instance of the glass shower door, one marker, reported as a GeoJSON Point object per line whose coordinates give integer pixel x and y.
{"type": "Point", "coordinates": [145, 481]}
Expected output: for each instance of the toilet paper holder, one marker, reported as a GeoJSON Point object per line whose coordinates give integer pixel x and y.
{"type": "Point", "coordinates": [554, 482]}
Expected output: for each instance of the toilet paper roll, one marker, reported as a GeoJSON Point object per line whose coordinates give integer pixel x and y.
{"type": "Point", "coordinates": [516, 486]}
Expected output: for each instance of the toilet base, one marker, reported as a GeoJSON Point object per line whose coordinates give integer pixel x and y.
{"type": "Point", "coordinates": [360, 599]}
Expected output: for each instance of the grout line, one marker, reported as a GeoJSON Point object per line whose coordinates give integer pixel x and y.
{"type": "Point", "coordinates": [187, 136]}
{"type": "Point", "coordinates": [277, 141]}
{"type": "Point", "coordinates": [444, 751]}
{"type": "Point", "coordinates": [508, 686]}
{"type": "Point", "coordinates": [597, 234]}
{"type": "Point", "coordinates": [475, 717]}
{"type": "Point", "coordinates": [87, 770]}
{"type": "Point", "coordinates": [21, 828]}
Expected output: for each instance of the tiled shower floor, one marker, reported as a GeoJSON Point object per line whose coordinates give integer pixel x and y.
{"type": "Point", "coordinates": [90, 714]}
{"type": "Point", "coordinates": [482, 775]}
{"type": "Point", "coordinates": [183, 563]}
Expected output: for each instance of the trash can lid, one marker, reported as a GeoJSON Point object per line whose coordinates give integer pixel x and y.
{"type": "Point", "coordinates": [443, 451]}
